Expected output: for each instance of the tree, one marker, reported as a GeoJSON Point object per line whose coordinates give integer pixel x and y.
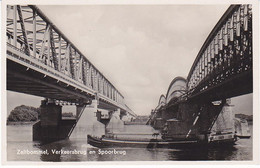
{"type": "Point", "coordinates": [24, 113]}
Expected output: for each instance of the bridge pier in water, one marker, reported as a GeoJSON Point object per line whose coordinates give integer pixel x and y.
{"type": "Point", "coordinates": [51, 127]}
{"type": "Point", "coordinates": [87, 122]}
{"type": "Point", "coordinates": [189, 120]}
{"type": "Point", "coordinates": [79, 110]}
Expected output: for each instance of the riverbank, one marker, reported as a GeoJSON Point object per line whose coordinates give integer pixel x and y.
{"type": "Point", "coordinates": [21, 122]}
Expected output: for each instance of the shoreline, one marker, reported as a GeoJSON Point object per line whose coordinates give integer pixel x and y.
{"type": "Point", "coordinates": [21, 122]}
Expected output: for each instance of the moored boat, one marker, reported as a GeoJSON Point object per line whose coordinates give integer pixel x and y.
{"type": "Point", "coordinates": [103, 142]}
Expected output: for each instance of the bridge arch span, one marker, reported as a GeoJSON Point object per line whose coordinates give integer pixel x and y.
{"type": "Point", "coordinates": [162, 102]}
{"type": "Point", "coordinates": [176, 88]}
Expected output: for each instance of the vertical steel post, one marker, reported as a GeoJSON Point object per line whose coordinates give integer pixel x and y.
{"type": "Point", "coordinates": [97, 78]}
{"type": "Point", "coordinates": [24, 32]}
{"type": "Point", "coordinates": [87, 74]}
{"type": "Point", "coordinates": [15, 25]}
{"type": "Point", "coordinates": [91, 76]}
{"type": "Point", "coordinates": [203, 66]}
{"type": "Point", "coordinates": [208, 62]}
{"type": "Point", "coordinates": [59, 59]}
{"type": "Point", "coordinates": [68, 52]}
{"type": "Point", "coordinates": [245, 18]}
{"type": "Point", "coordinates": [220, 40]}
{"type": "Point", "coordinates": [34, 33]}
{"type": "Point", "coordinates": [231, 25]}
{"type": "Point", "coordinates": [238, 23]}
{"type": "Point", "coordinates": [116, 96]}
{"type": "Point", "coordinates": [205, 63]}
{"type": "Point", "coordinates": [226, 35]}
{"type": "Point", "coordinates": [8, 10]}
{"type": "Point", "coordinates": [48, 46]}
{"type": "Point", "coordinates": [80, 76]}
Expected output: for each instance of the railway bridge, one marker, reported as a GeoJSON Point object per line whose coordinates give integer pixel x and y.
{"type": "Point", "coordinates": [222, 69]}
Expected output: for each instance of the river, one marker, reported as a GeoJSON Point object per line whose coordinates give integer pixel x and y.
{"type": "Point", "coordinates": [20, 147]}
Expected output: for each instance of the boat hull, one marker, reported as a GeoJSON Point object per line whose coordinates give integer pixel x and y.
{"type": "Point", "coordinates": [244, 136]}
{"type": "Point", "coordinates": [153, 143]}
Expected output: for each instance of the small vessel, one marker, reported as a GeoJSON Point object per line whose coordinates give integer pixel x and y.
{"type": "Point", "coordinates": [138, 143]}
{"type": "Point", "coordinates": [242, 128]}
{"type": "Point", "coordinates": [109, 141]}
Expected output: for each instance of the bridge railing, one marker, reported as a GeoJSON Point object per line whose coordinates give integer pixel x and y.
{"type": "Point", "coordinates": [226, 52]}
{"type": "Point", "coordinates": [30, 32]}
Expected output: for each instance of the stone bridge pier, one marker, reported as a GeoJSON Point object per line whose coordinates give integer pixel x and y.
{"type": "Point", "coordinates": [51, 126]}
{"type": "Point", "coordinates": [88, 120]}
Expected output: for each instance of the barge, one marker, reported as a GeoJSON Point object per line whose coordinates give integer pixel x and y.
{"type": "Point", "coordinates": [106, 142]}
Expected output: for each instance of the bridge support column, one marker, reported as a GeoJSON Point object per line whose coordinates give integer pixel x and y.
{"type": "Point", "coordinates": [115, 124]}
{"type": "Point", "coordinates": [79, 110]}
{"type": "Point", "coordinates": [51, 127]}
{"type": "Point", "coordinates": [87, 122]}
{"type": "Point", "coordinates": [98, 128]}
{"type": "Point", "coordinates": [94, 105]}
{"type": "Point", "coordinates": [118, 112]}
{"type": "Point", "coordinates": [50, 113]}
{"type": "Point", "coordinates": [194, 120]}
{"type": "Point", "coordinates": [47, 129]}
{"type": "Point", "coordinates": [121, 113]}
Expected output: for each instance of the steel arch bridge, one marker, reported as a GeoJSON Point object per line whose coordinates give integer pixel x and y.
{"type": "Point", "coordinates": [223, 67]}
{"type": "Point", "coordinates": [42, 61]}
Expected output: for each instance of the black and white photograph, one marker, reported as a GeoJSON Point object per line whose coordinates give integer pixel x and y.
{"type": "Point", "coordinates": [132, 81]}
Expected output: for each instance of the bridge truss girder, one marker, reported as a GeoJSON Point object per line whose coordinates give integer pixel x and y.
{"type": "Point", "coordinates": [34, 41]}
{"type": "Point", "coordinates": [225, 57]}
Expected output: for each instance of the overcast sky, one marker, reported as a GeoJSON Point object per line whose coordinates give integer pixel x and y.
{"type": "Point", "coordinates": [139, 48]}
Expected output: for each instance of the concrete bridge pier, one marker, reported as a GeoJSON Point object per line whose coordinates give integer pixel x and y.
{"type": "Point", "coordinates": [51, 127]}
{"type": "Point", "coordinates": [192, 120]}
{"type": "Point", "coordinates": [87, 122]}
{"type": "Point", "coordinates": [79, 110]}
{"type": "Point", "coordinates": [115, 124]}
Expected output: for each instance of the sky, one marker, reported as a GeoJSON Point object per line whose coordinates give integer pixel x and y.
{"type": "Point", "coordinates": [139, 48]}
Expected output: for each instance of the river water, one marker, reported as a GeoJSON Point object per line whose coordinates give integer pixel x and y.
{"type": "Point", "coordinates": [20, 147]}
